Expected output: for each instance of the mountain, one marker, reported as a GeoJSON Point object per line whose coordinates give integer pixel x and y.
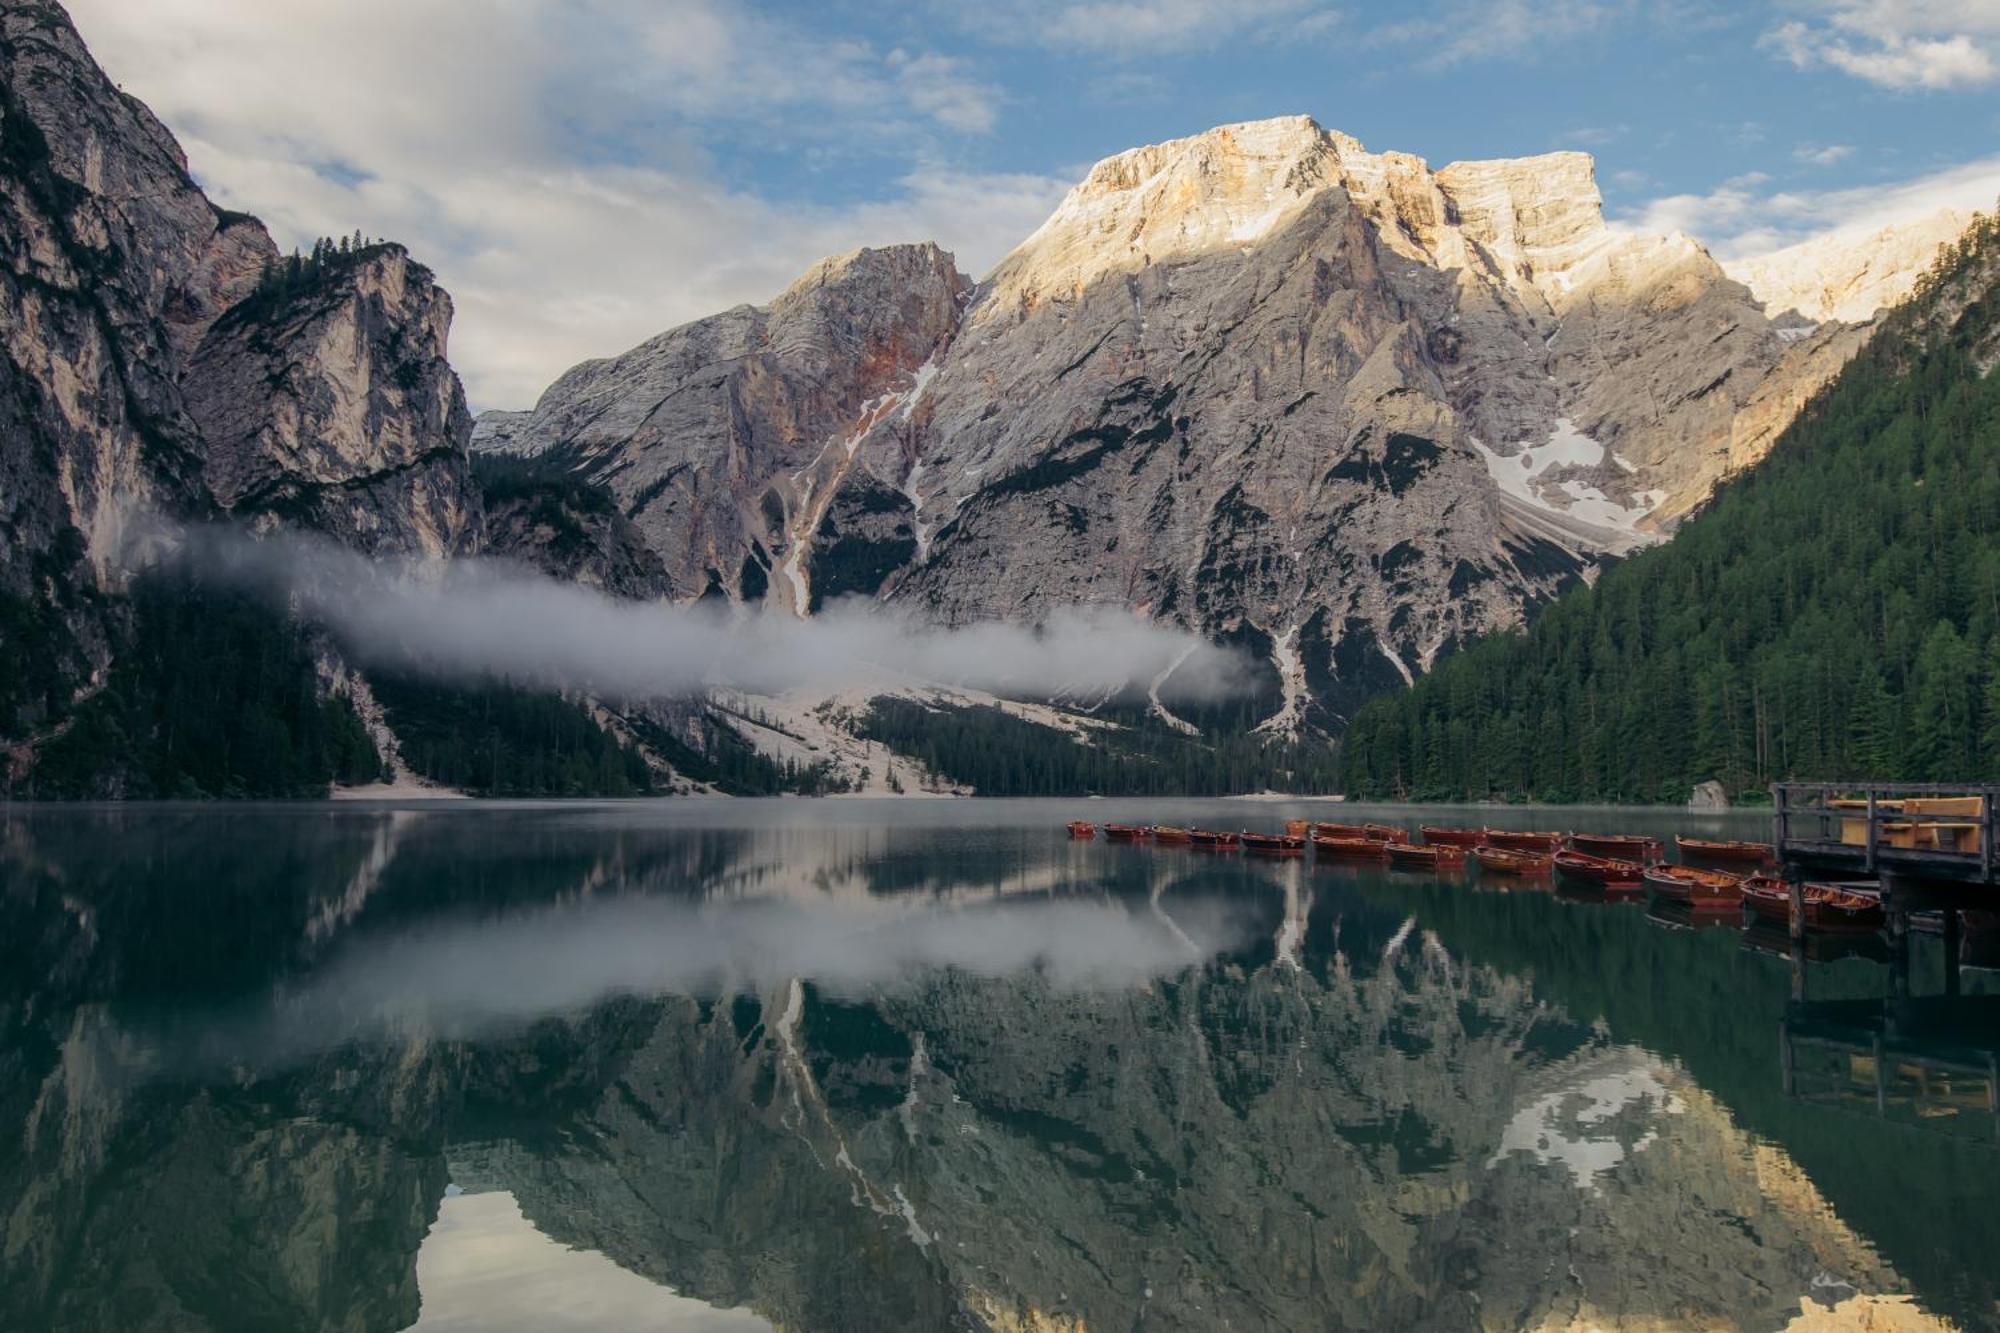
{"type": "Point", "coordinates": [1332, 407]}
{"type": "Point", "coordinates": [1835, 612]}
{"type": "Point", "coordinates": [160, 357]}
{"type": "Point", "coordinates": [1846, 275]}
{"type": "Point", "coordinates": [1330, 404]}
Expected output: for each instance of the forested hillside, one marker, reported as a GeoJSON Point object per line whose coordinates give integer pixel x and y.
{"type": "Point", "coordinates": [1834, 613]}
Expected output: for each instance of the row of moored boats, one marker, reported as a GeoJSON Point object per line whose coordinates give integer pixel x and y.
{"type": "Point", "coordinates": [1711, 876]}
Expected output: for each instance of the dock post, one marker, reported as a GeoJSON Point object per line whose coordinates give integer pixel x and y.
{"type": "Point", "coordinates": [1796, 889]}
{"type": "Point", "coordinates": [1899, 954]}
{"type": "Point", "coordinates": [1951, 947]}
{"type": "Point", "coordinates": [1785, 1057]}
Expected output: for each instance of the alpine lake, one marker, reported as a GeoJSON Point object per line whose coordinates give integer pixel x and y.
{"type": "Point", "coordinates": [934, 1065]}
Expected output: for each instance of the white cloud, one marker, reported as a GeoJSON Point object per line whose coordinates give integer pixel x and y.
{"type": "Point", "coordinates": [1120, 28]}
{"type": "Point", "coordinates": [1465, 31]}
{"type": "Point", "coordinates": [1740, 218]}
{"type": "Point", "coordinates": [1593, 136]}
{"type": "Point", "coordinates": [1823, 155]}
{"type": "Point", "coordinates": [549, 157]}
{"type": "Point", "coordinates": [939, 87]}
{"type": "Point", "coordinates": [1902, 44]}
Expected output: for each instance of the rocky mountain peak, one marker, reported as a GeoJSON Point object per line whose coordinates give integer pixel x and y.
{"type": "Point", "coordinates": [1849, 276]}
{"type": "Point", "coordinates": [1540, 216]}
{"type": "Point", "coordinates": [1225, 187]}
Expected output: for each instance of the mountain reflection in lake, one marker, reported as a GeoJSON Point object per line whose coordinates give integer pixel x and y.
{"type": "Point", "coordinates": [930, 1065]}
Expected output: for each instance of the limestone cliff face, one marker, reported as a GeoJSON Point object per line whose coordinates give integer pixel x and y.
{"type": "Point", "coordinates": [335, 407]}
{"type": "Point", "coordinates": [1327, 403]}
{"type": "Point", "coordinates": [1850, 277]}
{"type": "Point", "coordinates": [727, 441]}
{"type": "Point", "coordinates": [103, 232]}
{"type": "Point", "coordinates": [124, 390]}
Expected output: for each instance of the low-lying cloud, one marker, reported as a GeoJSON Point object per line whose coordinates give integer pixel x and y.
{"type": "Point", "coordinates": [471, 617]}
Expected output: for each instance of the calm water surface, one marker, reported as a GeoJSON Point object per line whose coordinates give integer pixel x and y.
{"type": "Point", "coordinates": [930, 1065]}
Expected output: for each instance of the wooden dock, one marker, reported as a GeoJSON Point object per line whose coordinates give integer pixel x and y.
{"type": "Point", "coordinates": [1924, 847]}
{"type": "Point", "coordinates": [1937, 839]}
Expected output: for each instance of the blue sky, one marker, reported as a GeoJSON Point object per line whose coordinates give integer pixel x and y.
{"type": "Point", "coordinates": [584, 173]}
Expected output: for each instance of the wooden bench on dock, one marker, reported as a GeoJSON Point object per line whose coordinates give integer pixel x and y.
{"type": "Point", "coordinates": [1941, 835]}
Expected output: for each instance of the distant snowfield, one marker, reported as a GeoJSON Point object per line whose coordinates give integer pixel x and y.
{"type": "Point", "coordinates": [1526, 477]}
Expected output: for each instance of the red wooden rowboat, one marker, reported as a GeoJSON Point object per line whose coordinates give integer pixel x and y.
{"type": "Point", "coordinates": [1367, 832]}
{"type": "Point", "coordinates": [1125, 833]}
{"type": "Point", "coordinates": [1520, 840]}
{"type": "Point", "coordinates": [1272, 844]}
{"type": "Point", "coordinates": [1829, 907]}
{"type": "Point", "coordinates": [1604, 871]}
{"type": "Point", "coordinates": [1214, 840]}
{"type": "Point", "coordinates": [1453, 837]}
{"type": "Point", "coordinates": [1702, 889]}
{"type": "Point", "coordinates": [1832, 908]}
{"type": "Point", "coordinates": [1734, 853]}
{"type": "Point", "coordinates": [1767, 897]}
{"type": "Point", "coordinates": [1168, 833]}
{"type": "Point", "coordinates": [1619, 846]}
{"type": "Point", "coordinates": [1349, 849]}
{"type": "Point", "coordinates": [1501, 861]}
{"type": "Point", "coordinates": [1423, 856]}
{"type": "Point", "coordinates": [1082, 828]}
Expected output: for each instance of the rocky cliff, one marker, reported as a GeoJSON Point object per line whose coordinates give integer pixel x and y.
{"type": "Point", "coordinates": [334, 407]}
{"type": "Point", "coordinates": [729, 442]}
{"type": "Point", "coordinates": [1330, 404]}
{"type": "Point", "coordinates": [1850, 276]}
{"type": "Point", "coordinates": [151, 367]}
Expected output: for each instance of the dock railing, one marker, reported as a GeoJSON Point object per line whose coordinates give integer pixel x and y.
{"type": "Point", "coordinates": [1947, 829]}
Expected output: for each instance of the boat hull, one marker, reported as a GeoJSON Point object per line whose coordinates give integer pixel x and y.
{"type": "Point", "coordinates": [1601, 872]}
{"type": "Point", "coordinates": [1351, 849]}
{"type": "Point", "coordinates": [1417, 856]}
{"type": "Point", "coordinates": [1726, 853]}
{"type": "Point", "coordinates": [1703, 890]}
{"type": "Point", "coordinates": [1523, 865]}
{"type": "Point", "coordinates": [1522, 840]}
{"type": "Point", "coordinates": [1619, 846]}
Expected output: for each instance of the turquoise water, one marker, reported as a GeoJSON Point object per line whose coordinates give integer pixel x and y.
{"type": "Point", "coordinates": [860, 1065]}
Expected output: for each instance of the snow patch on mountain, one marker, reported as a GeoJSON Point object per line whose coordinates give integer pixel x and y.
{"type": "Point", "coordinates": [1556, 476]}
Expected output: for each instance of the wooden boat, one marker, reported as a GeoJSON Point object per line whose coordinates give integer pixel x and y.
{"type": "Point", "coordinates": [1767, 897]}
{"type": "Point", "coordinates": [1385, 832]}
{"type": "Point", "coordinates": [1453, 837]}
{"type": "Point", "coordinates": [1171, 835]}
{"type": "Point", "coordinates": [1298, 828]}
{"type": "Point", "coordinates": [1521, 840]}
{"type": "Point", "coordinates": [1349, 849]}
{"type": "Point", "coordinates": [1829, 907]}
{"type": "Point", "coordinates": [1705, 889]}
{"type": "Point", "coordinates": [1603, 871]}
{"type": "Point", "coordinates": [1125, 833]}
{"type": "Point", "coordinates": [1734, 853]}
{"type": "Point", "coordinates": [1082, 828]}
{"type": "Point", "coordinates": [1213, 839]}
{"type": "Point", "coordinates": [1272, 844]}
{"type": "Point", "coordinates": [1502, 861]}
{"type": "Point", "coordinates": [1619, 846]}
{"type": "Point", "coordinates": [1425, 856]}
